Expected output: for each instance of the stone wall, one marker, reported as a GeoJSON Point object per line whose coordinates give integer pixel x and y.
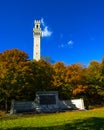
{"type": "Point", "coordinates": [21, 107]}
{"type": "Point", "coordinates": [72, 104]}
{"type": "Point", "coordinates": [79, 103]}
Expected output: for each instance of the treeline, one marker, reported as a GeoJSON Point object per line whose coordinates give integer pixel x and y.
{"type": "Point", "coordinates": [21, 78]}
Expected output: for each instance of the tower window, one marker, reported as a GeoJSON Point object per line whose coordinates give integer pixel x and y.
{"type": "Point", "coordinates": [36, 26]}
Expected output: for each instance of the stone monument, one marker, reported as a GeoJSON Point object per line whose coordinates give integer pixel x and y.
{"type": "Point", "coordinates": [46, 101]}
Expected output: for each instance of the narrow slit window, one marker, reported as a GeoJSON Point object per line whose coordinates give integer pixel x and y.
{"type": "Point", "coordinates": [36, 26]}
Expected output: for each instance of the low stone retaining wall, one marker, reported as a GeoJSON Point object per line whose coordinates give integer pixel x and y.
{"type": "Point", "coordinates": [21, 107]}
{"type": "Point", "coordinates": [32, 107]}
{"type": "Point", "coordinates": [72, 104]}
{"type": "Point", "coordinates": [79, 103]}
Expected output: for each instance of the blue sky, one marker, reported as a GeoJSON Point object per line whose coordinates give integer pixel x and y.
{"type": "Point", "coordinates": [73, 29]}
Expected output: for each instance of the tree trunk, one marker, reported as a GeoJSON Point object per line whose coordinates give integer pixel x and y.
{"type": "Point", "coordinates": [6, 105]}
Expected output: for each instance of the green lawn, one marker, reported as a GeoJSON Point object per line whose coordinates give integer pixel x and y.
{"type": "Point", "coordinates": [76, 120]}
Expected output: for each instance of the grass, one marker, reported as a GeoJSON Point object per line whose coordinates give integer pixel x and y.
{"type": "Point", "coordinates": [76, 120]}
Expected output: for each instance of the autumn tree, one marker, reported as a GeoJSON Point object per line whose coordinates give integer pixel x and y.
{"type": "Point", "coordinates": [47, 59]}
{"type": "Point", "coordinates": [21, 78]}
{"type": "Point", "coordinates": [13, 73]}
{"type": "Point", "coordinates": [100, 88]}
{"type": "Point", "coordinates": [75, 79]}
{"type": "Point", "coordinates": [43, 75]}
{"type": "Point", "coordinates": [59, 82]}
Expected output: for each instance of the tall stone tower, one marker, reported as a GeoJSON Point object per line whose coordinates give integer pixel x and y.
{"type": "Point", "coordinates": [37, 33]}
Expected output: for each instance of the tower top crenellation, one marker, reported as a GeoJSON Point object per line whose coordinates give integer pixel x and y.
{"type": "Point", "coordinates": [37, 25]}
{"type": "Point", "coordinates": [37, 22]}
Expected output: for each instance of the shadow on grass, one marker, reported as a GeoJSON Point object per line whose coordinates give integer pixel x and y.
{"type": "Point", "coordinates": [86, 124]}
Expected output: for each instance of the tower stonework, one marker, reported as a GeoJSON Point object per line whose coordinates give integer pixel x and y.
{"type": "Point", "coordinates": [37, 33]}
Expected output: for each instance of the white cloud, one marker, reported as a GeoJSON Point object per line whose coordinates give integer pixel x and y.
{"type": "Point", "coordinates": [70, 42]}
{"type": "Point", "coordinates": [45, 31]}
{"type": "Point", "coordinates": [61, 46]}
{"type": "Point", "coordinates": [42, 22]}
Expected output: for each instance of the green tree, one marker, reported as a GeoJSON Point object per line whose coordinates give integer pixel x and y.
{"type": "Point", "coordinates": [93, 78]}
{"type": "Point", "coordinates": [43, 75]}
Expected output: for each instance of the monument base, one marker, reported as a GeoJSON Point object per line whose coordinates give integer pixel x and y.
{"type": "Point", "coordinates": [46, 102]}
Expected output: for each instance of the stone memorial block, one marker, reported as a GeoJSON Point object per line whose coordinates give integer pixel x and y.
{"type": "Point", "coordinates": [47, 101]}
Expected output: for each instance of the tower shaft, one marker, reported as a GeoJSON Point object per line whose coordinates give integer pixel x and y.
{"type": "Point", "coordinates": [37, 40]}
